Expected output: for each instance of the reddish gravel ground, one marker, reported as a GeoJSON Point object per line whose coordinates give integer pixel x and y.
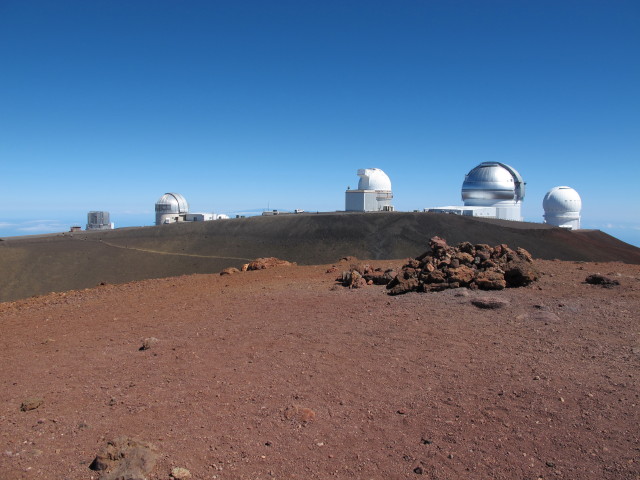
{"type": "Point", "coordinates": [281, 374]}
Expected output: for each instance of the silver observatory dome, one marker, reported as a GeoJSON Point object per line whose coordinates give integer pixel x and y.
{"type": "Point", "coordinates": [492, 184]}
{"type": "Point", "coordinates": [172, 203]}
{"type": "Point", "coordinates": [170, 208]}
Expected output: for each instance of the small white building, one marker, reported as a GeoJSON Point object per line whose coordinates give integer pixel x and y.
{"type": "Point", "coordinates": [373, 193]}
{"type": "Point", "coordinates": [486, 212]}
{"type": "Point", "coordinates": [562, 206]}
{"type": "Point", "coordinates": [199, 217]}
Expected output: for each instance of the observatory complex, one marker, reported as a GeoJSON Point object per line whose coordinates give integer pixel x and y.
{"type": "Point", "coordinates": [373, 193]}
{"type": "Point", "coordinates": [562, 207]}
{"type": "Point", "coordinates": [173, 208]}
{"type": "Point", "coordinates": [490, 190]}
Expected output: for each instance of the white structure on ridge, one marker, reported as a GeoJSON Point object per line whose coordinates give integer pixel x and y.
{"type": "Point", "coordinates": [373, 193]}
{"type": "Point", "coordinates": [492, 190]}
{"type": "Point", "coordinates": [562, 207]}
{"type": "Point", "coordinates": [99, 221]}
{"type": "Point", "coordinates": [171, 208]}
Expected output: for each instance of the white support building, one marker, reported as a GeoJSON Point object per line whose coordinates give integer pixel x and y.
{"type": "Point", "coordinates": [373, 193]}
{"type": "Point", "coordinates": [199, 217]}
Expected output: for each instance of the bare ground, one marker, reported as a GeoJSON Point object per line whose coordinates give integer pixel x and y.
{"type": "Point", "coordinates": [281, 374]}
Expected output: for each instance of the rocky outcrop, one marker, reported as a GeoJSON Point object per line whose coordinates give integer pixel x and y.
{"type": "Point", "coordinates": [361, 275]}
{"type": "Point", "coordinates": [264, 263]}
{"type": "Point", "coordinates": [465, 265]}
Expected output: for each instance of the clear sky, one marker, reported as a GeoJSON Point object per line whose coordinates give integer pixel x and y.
{"type": "Point", "coordinates": [240, 105]}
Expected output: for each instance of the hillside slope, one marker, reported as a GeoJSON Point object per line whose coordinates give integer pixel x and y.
{"type": "Point", "coordinates": [37, 265]}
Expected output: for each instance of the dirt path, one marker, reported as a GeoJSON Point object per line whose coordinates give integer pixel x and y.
{"type": "Point", "coordinates": [146, 250]}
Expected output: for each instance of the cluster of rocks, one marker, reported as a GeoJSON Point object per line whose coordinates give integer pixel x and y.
{"type": "Point", "coordinates": [258, 264]}
{"type": "Point", "coordinates": [465, 265]}
{"type": "Point", "coordinates": [267, 262]}
{"type": "Point", "coordinates": [361, 275]}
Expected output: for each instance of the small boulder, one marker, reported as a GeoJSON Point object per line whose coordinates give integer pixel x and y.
{"type": "Point", "coordinates": [598, 279]}
{"type": "Point", "coordinates": [148, 342]}
{"type": "Point", "coordinates": [125, 458]}
{"type": "Point", "coordinates": [519, 274]}
{"type": "Point", "coordinates": [31, 404]}
{"type": "Point", "coordinates": [461, 275]}
{"type": "Point", "coordinates": [229, 271]}
{"type": "Point", "coordinates": [489, 303]}
{"type": "Point", "coordinates": [403, 284]}
{"type": "Point", "coordinates": [299, 414]}
{"type": "Point", "coordinates": [179, 473]}
{"type": "Point", "coordinates": [490, 280]}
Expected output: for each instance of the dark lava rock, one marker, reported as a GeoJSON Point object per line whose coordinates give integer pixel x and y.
{"type": "Point", "coordinates": [597, 279]}
{"type": "Point", "coordinates": [489, 303]}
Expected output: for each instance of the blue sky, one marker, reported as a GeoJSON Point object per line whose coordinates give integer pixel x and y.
{"type": "Point", "coordinates": [240, 105]}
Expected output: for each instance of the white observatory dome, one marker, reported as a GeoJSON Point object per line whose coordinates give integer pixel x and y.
{"type": "Point", "coordinates": [492, 183]}
{"type": "Point", "coordinates": [562, 207]}
{"type": "Point", "coordinates": [373, 179]}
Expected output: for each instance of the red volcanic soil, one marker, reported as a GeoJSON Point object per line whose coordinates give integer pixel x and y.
{"type": "Point", "coordinates": [282, 374]}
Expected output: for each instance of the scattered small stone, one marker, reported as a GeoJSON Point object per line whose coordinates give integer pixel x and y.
{"type": "Point", "coordinates": [597, 279]}
{"type": "Point", "coordinates": [31, 404]}
{"type": "Point", "coordinates": [229, 271]}
{"type": "Point", "coordinates": [147, 343]}
{"type": "Point", "coordinates": [418, 470]}
{"type": "Point", "coordinates": [125, 458]}
{"type": "Point", "coordinates": [180, 473]}
{"type": "Point", "coordinates": [299, 414]}
{"type": "Point", "coordinates": [490, 303]}
{"type": "Point", "coordinates": [550, 464]}
{"type": "Point", "coordinates": [543, 316]}
{"type": "Point", "coordinates": [426, 441]}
